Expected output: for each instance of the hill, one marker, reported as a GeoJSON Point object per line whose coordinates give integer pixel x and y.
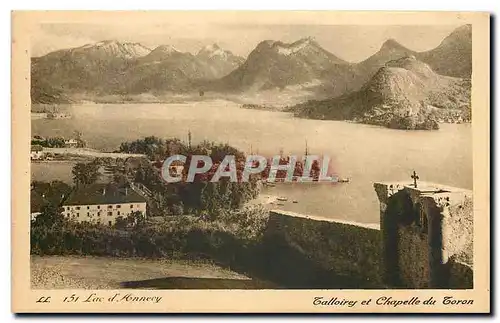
{"type": "Point", "coordinates": [453, 57]}
{"type": "Point", "coordinates": [43, 93]}
{"type": "Point", "coordinates": [405, 94]}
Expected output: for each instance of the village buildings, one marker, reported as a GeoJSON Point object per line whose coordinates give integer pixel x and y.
{"type": "Point", "coordinates": [36, 152]}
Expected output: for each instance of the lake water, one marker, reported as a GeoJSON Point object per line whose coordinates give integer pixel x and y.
{"type": "Point", "coordinates": [363, 153]}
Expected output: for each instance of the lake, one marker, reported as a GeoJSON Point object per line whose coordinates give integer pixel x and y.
{"type": "Point", "coordinates": [364, 153]}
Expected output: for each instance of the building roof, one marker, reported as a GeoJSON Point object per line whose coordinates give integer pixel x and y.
{"type": "Point", "coordinates": [36, 148]}
{"type": "Point", "coordinates": [103, 194]}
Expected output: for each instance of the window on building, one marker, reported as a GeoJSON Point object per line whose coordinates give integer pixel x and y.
{"type": "Point", "coordinates": [118, 212]}
{"type": "Point", "coordinates": [131, 206]}
{"type": "Point", "coordinates": [88, 207]}
{"type": "Point", "coordinates": [110, 213]}
{"type": "Point", "coordinates": [110, 206]}
{"type": "Point", "coordinates": [78, 208]}
{"type": "Point", "coordinates": [109, 223]}
{"type": "Point", "coordinates": [98, 206]}
{"type": "Point", "coordinates": [88, 213]}
{"type": "Point", "coordinates": [98, 213]}
{"type": "Point", "coordinates": [118, 206]}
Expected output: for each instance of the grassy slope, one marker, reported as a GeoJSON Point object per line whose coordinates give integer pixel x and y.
{"type": "Point", "coordinates": [57, 272]}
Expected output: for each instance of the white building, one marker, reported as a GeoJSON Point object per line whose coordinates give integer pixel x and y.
{"type": "Point", "coordinates": [36, 152]}
{"type": "Point", "coordinates": [103, 203]}
{"type": "Point", "coordinates": [71, 143]}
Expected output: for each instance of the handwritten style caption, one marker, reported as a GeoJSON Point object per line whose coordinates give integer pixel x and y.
{"type": "Point", "coordinates": [389, 301]}
{"type": "Point", "coordinates": [96, 299]}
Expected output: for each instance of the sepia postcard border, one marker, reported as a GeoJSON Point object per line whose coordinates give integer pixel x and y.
{"type": "Point", "coordinates": [24, 299]}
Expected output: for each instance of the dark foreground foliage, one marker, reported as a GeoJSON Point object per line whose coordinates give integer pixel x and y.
{"type": "Point", "coordinates": [176, 237]}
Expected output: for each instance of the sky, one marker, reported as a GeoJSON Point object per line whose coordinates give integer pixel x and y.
{"type": "Point", "coordinates": [352, 43]}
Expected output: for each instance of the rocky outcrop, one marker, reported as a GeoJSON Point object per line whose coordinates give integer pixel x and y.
{"type": "Point", "coordinates": [404, 94]}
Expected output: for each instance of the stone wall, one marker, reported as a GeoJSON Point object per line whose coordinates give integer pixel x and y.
{"type": "Point", "coordinates": [424, 240]}
{"type": "Point", "coordinates": [413, 245]}
{"type": "Point", "coordinates": [461, 275]}
{"type": "Point", "coordinates": [325, 253]}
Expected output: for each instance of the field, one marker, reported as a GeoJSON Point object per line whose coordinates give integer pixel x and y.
{"type": "Point", "coordinates": [67, 272]}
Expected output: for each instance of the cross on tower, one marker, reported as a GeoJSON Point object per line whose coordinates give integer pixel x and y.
{"type": "Point", "coordinates": [415, 177]}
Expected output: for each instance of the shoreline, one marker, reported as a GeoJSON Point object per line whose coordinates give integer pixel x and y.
{"type": "Point", "coordinates": [69, 153]}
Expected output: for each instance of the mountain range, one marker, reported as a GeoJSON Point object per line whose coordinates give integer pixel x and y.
{"type": "Point", "coordinates": [112, 67]}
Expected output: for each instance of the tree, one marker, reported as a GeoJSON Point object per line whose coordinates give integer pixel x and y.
{"type": "Point", "coordinates": [136, 219]}
{"type": "Point", "coordinates": [56, 142]}
{"type": "Point", "coordinates": [57, 192]}
{"type": "Point", "coordinates": [51, 216]}
{"type": "Point", "coordinates": [177, 208]}
{"type": "Point", "coordinates": [120, 223]}
{"type": "Point", "coordinates": [85, 173]}
{"type": "Point", "coordinates": [120, 178]}
{"type": "Point", "coordinates": [52, 193]}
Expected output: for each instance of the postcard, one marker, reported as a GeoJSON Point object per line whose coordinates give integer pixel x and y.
{"type": "Point", "coordinates": [250, 162]}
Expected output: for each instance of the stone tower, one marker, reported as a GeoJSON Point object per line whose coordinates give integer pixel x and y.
{"type": "Point", "coordinates": [427, 235]}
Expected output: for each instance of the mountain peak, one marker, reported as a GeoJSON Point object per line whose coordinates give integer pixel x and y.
{"type": "Point", "coordinates": [461, 34]}
{"type": "Point", "coordinates": [160, 53]}
{"type": "Point", "coordinates": [166, 49]}
{"type": "Point", "coordinates": [306, 40]}
{"type": "Point", "coordinates": [214, 50]}
{"type": "Point", "coordinates": [100, 44]}
{"type": "Point", "coordinates": [464, 29]}
{"type": "Point", "coordinates": [453, 57]}
{"type": "Point", "coordinates": [211, 48]}
{"type": "Point", "coordinates": [290, 48]}
{"type": "Point", "coordinates": [392, 44]}
{"type": "Point", "coordinates": [115, 48]}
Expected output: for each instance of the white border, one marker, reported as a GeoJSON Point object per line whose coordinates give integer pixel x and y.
{"type": "Point", "coordinates": [5, 126]}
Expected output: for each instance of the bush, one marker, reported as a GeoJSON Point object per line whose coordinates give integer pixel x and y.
{"type": "Point", "coordinates": [180, 237]}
